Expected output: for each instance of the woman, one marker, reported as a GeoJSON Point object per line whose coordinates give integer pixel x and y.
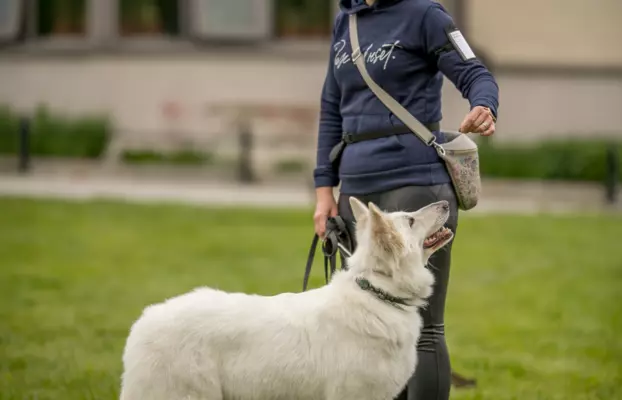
{"type": "Point", "coordinates": [407, 49]}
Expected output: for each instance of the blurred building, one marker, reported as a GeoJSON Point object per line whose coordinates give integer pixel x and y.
{"type": "Point", "coordinates": [153, 63]}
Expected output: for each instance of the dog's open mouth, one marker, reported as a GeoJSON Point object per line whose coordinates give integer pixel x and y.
{"type": "Point", "coordinates": [437, 237]}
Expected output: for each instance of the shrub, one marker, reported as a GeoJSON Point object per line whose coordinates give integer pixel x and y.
{"type": "Point", "coordinates": [182, 157]}
{"type": "Point", "coordinates": [290, 166]}
{"type": "Point", "coordinates": [54, 135]}
{"type": "Point", "coordinates": [569, 160]}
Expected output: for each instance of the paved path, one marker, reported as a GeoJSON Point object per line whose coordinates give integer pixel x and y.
{"type": "Point", "coordinates": [499, 196]}
{"type": "Point", "coordinates": [187, 192]}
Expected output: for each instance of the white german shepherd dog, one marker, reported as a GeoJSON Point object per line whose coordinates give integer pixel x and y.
{"type": "Point", "coordinates": [352, 339]}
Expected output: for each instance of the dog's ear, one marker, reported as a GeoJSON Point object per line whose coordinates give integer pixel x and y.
{"type": "Point", "coordinates": [358, 209]}
{"type": "Point", "coordinates": [384, 233]}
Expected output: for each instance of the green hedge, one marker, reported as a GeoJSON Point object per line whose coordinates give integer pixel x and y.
{"type": "Point", "coordinates": [55, 135]}
{"type": "Point", "coordinates": [290, 166]}
{"type": "Point", "coordinates": [181, 157]}
{"type": "Point", "coordinates": [574, 160]}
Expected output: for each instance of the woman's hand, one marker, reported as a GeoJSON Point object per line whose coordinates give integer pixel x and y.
{"type": "Point", "coordinates": [325, 207]}
{"type": "Point", "coordinates": [479, 120]}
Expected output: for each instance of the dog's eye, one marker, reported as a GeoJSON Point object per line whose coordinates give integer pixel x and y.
{"type": "Point", "coordinates": [411, 221]}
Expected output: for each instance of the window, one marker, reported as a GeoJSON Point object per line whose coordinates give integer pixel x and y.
{"type": "Point", "coordinates": [304, 18]}
{"type": "Point", "coordinates": [149, 17]}
{"type": "Point", "coordinates": [10, 19]}
{"type": "Point", "coordinates": [61, 17]}
{"type": "Point", "coordinates": [230, 20]}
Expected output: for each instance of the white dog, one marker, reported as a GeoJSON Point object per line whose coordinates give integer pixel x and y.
{"type": "Point", "coordinates": [352, 339]}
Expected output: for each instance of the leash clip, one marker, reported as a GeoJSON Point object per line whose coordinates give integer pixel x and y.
{"type": "Point", "coordinates": [335, 229]}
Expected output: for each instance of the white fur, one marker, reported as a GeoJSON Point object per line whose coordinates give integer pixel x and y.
{"type": "Point", "coordinates": [337, 342]}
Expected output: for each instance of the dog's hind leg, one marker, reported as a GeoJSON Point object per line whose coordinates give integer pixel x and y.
{"type": "Point", "coordinates": [177, 390]}
{"type": "Point", "coordinates": [358, 392]}
{"type": "Point", "coordinates": [358, 396]}
{"type": "Point", "coordinates": [160, 381]}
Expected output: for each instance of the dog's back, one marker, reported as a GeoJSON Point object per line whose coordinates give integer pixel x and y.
{"type": "Point", "coordinates": [180, 348]}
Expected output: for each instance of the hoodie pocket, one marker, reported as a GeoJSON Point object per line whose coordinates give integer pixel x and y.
{"type": "Point", "coordinates": [373, 156]}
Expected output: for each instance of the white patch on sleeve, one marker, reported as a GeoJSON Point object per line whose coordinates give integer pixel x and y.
{"type": "Point", "coordinates": [461, 45]}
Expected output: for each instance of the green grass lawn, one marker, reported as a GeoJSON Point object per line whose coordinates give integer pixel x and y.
{"type": "Point", "coordinates": [534, 310]}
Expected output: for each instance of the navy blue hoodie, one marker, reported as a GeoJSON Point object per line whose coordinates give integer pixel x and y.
{"type": "Point", "coordinates": [399, 39]}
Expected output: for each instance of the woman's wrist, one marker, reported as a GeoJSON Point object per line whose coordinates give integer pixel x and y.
{"type": "Point", "coordinates": [324, 192]}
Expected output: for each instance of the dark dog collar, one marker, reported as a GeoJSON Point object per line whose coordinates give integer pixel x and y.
{"type": "Point", "coordinates": [396, 302]}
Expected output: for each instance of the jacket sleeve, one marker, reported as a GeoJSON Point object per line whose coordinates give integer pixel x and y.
{"type": "Point", "coordinates": [329, 128]}
{"type": "Point", "coordinates": [470, 77]}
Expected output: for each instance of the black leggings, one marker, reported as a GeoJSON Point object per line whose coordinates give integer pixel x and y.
{"type": "Point", "coordinates": [432, 379]}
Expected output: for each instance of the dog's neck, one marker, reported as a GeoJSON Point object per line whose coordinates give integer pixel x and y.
{"type": "Point", "coordinates": [397, 302]}
{"type": "Point", "coordinates": [395, 290]}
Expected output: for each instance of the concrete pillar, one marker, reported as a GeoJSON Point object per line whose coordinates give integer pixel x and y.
{"type": "Point", "coordinates": [103, 22]}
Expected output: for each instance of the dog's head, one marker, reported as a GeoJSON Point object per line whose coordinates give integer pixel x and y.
{"type": "Point", "coordinates": [399, 244]}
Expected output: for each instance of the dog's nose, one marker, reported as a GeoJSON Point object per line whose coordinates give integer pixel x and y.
{"type": "Point", "coordinates": [444, 205]}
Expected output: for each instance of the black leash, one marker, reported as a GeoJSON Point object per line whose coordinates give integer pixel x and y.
{"type": "Point", "coordinates": [336, 236]}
